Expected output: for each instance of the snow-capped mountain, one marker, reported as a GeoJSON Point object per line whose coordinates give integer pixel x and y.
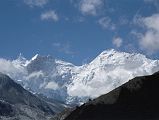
{"type": "Point", "coordinates": [75, 84]}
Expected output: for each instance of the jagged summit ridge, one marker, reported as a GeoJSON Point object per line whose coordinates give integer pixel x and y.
{"type": "Point", "coordinates": [109, 70]}
{"type": "Point", "coordinates": [69, 83]}
{"type": "Point", "coordinates": [114, 57]}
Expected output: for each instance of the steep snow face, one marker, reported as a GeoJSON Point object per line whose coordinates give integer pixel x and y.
{"type": "Point", "coordinates": [47, 76]}
{"type": "Point", "coordinates": [75, 84]}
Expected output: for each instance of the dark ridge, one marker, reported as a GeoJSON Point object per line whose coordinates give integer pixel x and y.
{"type": "Point", "coordinates": [13, 97]}
{"type": "Point", "coordinates": [137, 99]}
{"type": "Point", "coordinates": [6, 109]}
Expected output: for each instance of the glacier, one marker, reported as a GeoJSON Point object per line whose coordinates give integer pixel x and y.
{"type": "Point", "coordinates": [66, 82]}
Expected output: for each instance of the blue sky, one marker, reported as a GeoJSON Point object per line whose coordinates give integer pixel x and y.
{"type": "Point", "coordinates": [78, 30]}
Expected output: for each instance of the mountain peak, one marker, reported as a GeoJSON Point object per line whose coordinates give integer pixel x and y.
{"type": "Point", "coordinates": [106, 52]}
{"type": "Point", "coordinates": [35, 57]}
{"type": "Point", "coordinates": [113, 56]}
{"type": "Point", "coordinates": [21, 60]}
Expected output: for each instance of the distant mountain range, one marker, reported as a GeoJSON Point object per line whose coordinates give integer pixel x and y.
{"type": "Point", "coordinates": [72, 84]}
{"type": "Point", "coordinates": [137, 99]}
{"type": "Point", "coordinates": [16, 103]}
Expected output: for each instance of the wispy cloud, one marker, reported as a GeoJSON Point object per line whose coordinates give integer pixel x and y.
{"type": "Point", "coordinates": [106, 23]}
{"type": "Point", "coordinates": [38, 3]}
{"type": "Point", "coordinates": [50, 15]}
{"type": "Point", "coordinates": [56, 44]}
{"type": "Point", "coordinates": [117, 41]}
{"type": "Point", "coordinates": [52, 85]}
{"type": "Point", "coordinates": [90, 7]}
{"type": "Point", "coordinates": [65, 48]}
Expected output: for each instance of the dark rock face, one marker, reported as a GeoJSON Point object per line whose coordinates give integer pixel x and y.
{"type": "Point", "coordinates": [138, 99]}
{"type": "Point", "coordinates": [18, 103]}
{"type": "Point", "coordinates": [6, 109]}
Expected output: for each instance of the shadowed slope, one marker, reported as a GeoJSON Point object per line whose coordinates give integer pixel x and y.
{"type": "Point", "coordinates": [138, 99]}
{"type": "Point", "coordinates": [18, 103]}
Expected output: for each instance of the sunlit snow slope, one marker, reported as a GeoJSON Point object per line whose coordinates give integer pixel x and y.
{"type": "Point", "coordinates": [75, 84]}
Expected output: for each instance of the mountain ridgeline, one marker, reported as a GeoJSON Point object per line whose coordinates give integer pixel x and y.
{"type": "Point", "coordinates": [52, 80]}
{"type": "Point", "coordinates": [137, 99]}
{"type": "Point", "coordinates": [71, 84]}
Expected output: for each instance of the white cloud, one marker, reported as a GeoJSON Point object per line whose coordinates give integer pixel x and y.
{"type": "Point", "coordinates": [106, 23]}
{"type": "Point", "coordinates": [35, 75]}
{"type": "Point", "coordinates": [11, 68]}
{"type": "Point", "coordinates": [150, 39]}
{"type": "Point", "coordinates": [90, 7]}
{"type": "Point", "coordinates": [117, 41]}
{"type": "Point", "coordinates": [50, 15]}
{"type": "Point", "coordinates": [6, 66]}
{"type": "Point", "coordinates": [65, 48]}
{"type": "Point", "coordinates": [52, 85]}
{"type": "Point", "coordinates": [152, 22]}
{"type": "Point", "coordinates": [38, 3]}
